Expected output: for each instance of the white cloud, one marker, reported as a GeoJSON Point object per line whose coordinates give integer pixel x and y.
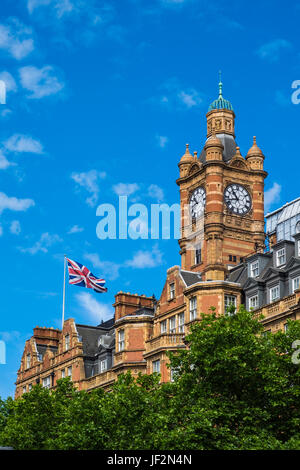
{"type": "Point", "coordinates": [107, 269]}
{"type": "Point", "coordinates": [4, 163]}
{"type": "Point", "coordinates": [40, 82]}
{"type": "Point", "coordinates": [33, 4]}
{"type": "Point", "coordinates": [16, 39]}
{"type": "Point", "coordinates": [178, 96]}
{"type": "Point", "coordinates": [75, 229]}
{"type": "Point", "coordinates": [96, 311]}
{"type": "Point", "coordinates": [90, 182]}
{"type": "Point", "coordinates": [125, 189]}
{"type": "Point", "coordinates": [43, 244]}
{"type": "Point", "coordinates": [146, 259]}
{"type": "Point", "coordinates": [14, 204]}
{"type": "Point", "coordinates": [162, 141]}
{"type": "Point", "coordinates": [156, 192]}
{"type": "Point", "coordinates": [23, 143]}
{"type": "Point", "coordinates": [15, 227]}
{"type": "Point", "coordinates": [271, 50]}
{"type": "Point", "coordinates": [272, 195]}
{"type": "Point", "coordinates": [9, 81]}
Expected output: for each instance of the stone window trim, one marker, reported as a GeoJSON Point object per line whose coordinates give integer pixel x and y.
{"type": "Point", "coordinates": [163, 327]}
{"type": "Point", "coordinates": [67, 342]}
{"type": "Point", "coordinates": [172, 325]}
{"type": "Point", "coordinates": [28, 361]}
{"type": "Point", "coordinates": [229, 299]}
{"type": "Point", "coordinates": [156, 366]}
{"type": "Point", "coordinates": [198, 255]}
{"type": "Point", "coordinates": [193, 308]}
{"type": "Point", "coordinates": [181, 320]}
{"type": "Point", "coordinates": [121, 340]}
{"type": "Point", "coordinates": [172, 293]}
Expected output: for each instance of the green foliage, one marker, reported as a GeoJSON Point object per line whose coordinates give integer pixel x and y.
{"type": "Point", "coordinates": [234, 388]}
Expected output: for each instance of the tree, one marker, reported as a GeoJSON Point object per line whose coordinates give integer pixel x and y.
{"type": "Point", "coordinates": [235, 387]}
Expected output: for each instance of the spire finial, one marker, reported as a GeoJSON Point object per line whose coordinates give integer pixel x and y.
{"type": "Point", "coordinates": [220, 84]}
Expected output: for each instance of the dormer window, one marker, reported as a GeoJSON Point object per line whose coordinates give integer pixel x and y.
{"type": "Point", "coordinates": [103, 365]}
{"type": "Point", "coordinates": [253, 301]}
{"type": "Point", "coordinates": [274, 293]}
{"type": "Point", "coordinates": [280, 257]}
{"type": "Point", "coordinates": [254, 269]}
{"type": "Point", "coordinates": [295, 283]}
{"type": "Point", "coordinates": [172, 290]}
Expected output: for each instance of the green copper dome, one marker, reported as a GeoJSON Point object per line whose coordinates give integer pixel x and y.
{"type": "Point", "coordinates": [220, 103]}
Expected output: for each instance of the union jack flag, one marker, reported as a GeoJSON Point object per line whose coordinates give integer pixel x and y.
{"type": "Point", "coordinates": [81, 276]}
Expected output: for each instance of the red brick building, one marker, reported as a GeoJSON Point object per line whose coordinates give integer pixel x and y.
{"type": "Point", "coordinates": [222, 232]}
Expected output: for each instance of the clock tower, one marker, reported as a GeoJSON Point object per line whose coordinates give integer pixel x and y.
{"type": "Point", "coordinates": [222, 198]}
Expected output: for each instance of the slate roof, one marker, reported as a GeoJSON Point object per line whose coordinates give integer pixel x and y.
{"type": "Point", "coordinates": [229, 148]}
{"type": "Point", "coordinates": [90, 338]}
{"type": "Point", "coordinates": [190, 278]}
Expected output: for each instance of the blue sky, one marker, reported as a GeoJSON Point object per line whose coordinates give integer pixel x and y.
{"type": "Point", "coordinates": [102, 98]}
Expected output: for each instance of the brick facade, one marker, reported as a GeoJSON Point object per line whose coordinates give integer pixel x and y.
{"type": "Point", "coordinates": [143, 328]}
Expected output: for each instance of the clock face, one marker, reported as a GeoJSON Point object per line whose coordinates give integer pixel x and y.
{"type": "Point", "coordinates": [237, 199]}
{"type": "Point", "coordinates": [197, 202]}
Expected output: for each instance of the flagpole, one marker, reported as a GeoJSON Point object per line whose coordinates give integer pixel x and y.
{"type": "Point", "coordinates": [64, 293]}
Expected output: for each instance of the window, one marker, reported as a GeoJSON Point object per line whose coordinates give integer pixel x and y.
{"type": "Point", "coordinates": [274, 293]}
{"type": "Point", "coordinates": [198, 254]}
{"type": "Point", "coordinates": [286, 327]}
{"type": "Point", "coordinates": [156, 366]}
{"type": "Point", "coordinates": [296, 283]}
{"type": "Point", "coordinates": [27, 361]}
{"type": "Point", "coordinates": [172, 290]}
{"type": "Point", "coordinates": [193, 308]}
{"type": "Point", "coordinates": [173, 372]}
{"type": "Point", "coordinates": [40, 357]}
{"type": "Point", "coordinates": [63, 373]}
{"type": "Point", "coordinates": [181, 323]}
{"type": "Point", "coordinates": [242, 259]}
{"type": "Point", "coordinates": [230, 300]}
{"type": "Point", "coordinates": [254, 269]}
{"type": "Point", "coordinates": [67, 342]}
{"type": "Point", "coordinates": [30, 387]}
{"type": "Point", "coordinates": [70, 371]}
{"type": "Point", "coordinates": [163, 327]}
{"type": "Point", "coordinates": [121, 340]}
{"type": "Point", "coordinates": [24, 389]}
{"type": "Point", "coordinates": [232, 258]}
{"type": "Point", "coordinates": [280, 257]}
{"type": "Point", "coordinates": [172, 325]}
{"type": "Point", "coordinates": [46, 382]}
{"type": "Point", "coordinates": [103, 365]}
{"type": "Point", "coordinates": [253, 301]}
